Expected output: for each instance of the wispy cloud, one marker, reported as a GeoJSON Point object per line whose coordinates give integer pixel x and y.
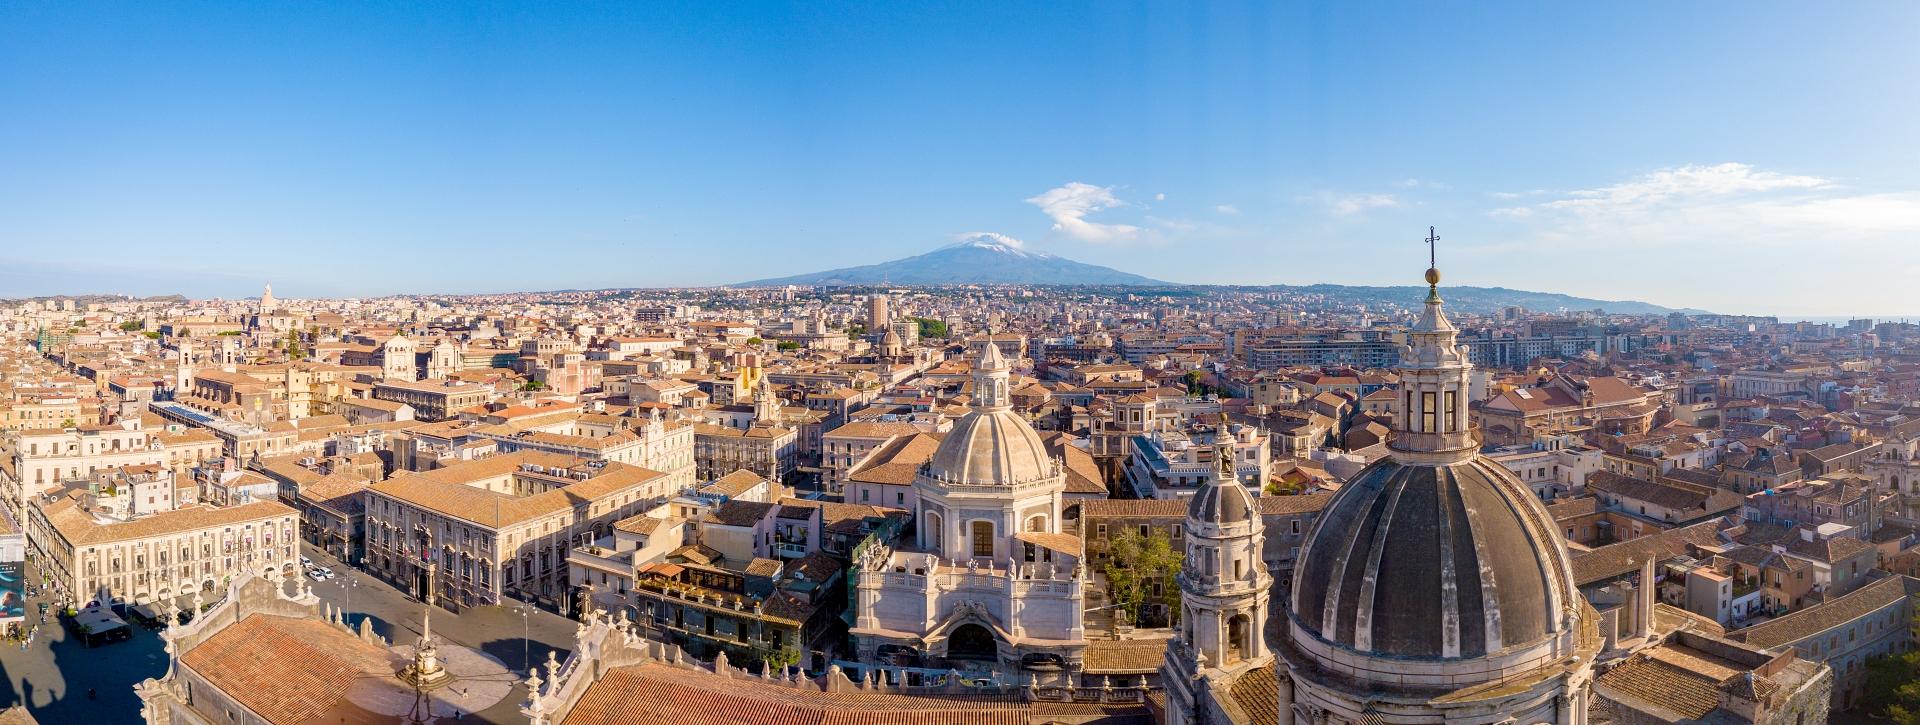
{"type": "Point", "coordinates": [1511, 195]}
{"type": "Point", "coordinates": [1728, 203]}
{"type": "Point", "coordinates": [992, 237]}
{"type": "Point", "coordinates": [1422, 184]}
{"type": "Point", "coordinates": [1351, 204]}
{"type": "Point", "coordinates": [1070, 205]}
{"type": "Point", "coordinates": [1226, 209]}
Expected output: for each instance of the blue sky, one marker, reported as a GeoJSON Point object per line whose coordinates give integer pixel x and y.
{"type": "Point", "coordinates": [1738, 157]}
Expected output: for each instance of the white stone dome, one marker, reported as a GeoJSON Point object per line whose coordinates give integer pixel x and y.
{"type": "Point", "coordinates": [991, 447]}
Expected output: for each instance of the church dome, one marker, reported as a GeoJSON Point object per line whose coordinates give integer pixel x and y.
{"type": "Point", "coordinates": [1442, 561]}
{"type": "Point", "coordinates": [1221, 503]}
{"type": "Point", "coordinates": [992, 447]}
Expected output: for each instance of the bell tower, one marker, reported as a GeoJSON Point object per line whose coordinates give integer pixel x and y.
{"type": "Point", "coordinates": [1435, 377]}
{"type": "Point", "coordinates": [1224, 595]}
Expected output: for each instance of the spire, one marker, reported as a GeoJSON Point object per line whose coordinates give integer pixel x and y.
{"type": "Point", "coordinates": [1434, 377]}
{"type": "Point", "coordinates": [990, 378]}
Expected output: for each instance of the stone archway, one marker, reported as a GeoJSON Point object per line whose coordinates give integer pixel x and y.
{"type": "Point", "coordinates": [1238, 644]}
{"type": "Point", "coordinates": [971, 641]}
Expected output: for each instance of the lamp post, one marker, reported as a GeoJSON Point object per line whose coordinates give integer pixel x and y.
{"type": "Point", "coordinates": [348, 587]}
{"type": "Point", "coordinates": [526, 656]}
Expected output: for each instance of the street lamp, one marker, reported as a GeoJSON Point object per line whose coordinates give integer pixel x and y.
{"type": "Point", "coordinates": [526, 656]}
{"type": "Point", "coordinates": [348, 586]}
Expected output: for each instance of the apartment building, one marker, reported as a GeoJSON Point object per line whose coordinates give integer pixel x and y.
{"type": "Point", "coordinates": [43, 458]}
{"type": "Point", "coordinates": [476, 532]}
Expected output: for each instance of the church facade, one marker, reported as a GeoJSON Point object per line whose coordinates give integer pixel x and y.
{"type": "Point", "coordinates": [988, 583]}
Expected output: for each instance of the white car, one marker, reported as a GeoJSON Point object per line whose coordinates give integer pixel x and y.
{"type": "Point", "coordinates": [315, 575]}
{"type": "Point", "coordinates": [306, 562]}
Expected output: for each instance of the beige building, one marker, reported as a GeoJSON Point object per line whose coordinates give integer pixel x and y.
{"type": "Point", "coordinates": [651, 443]}
{"type": "Point", "coordinates": [49, 412]}
{"type": "Point", "coordinates": [767, 450]}
{"type": "Point", "coordinates": [86, 549]}
{"type": "Point", "coordinates": [433, 399]}
{"type": "Point", "coordinates": [496, 527]}
{"type": "Point", "coordinates": [42, 459]}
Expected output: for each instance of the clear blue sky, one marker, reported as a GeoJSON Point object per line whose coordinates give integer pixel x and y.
{"type": "Point", "coordinates": [1733, 156]}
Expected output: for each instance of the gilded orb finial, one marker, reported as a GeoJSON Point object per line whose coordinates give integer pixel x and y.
{"type": "Point", "coordinates": [1433, 276]}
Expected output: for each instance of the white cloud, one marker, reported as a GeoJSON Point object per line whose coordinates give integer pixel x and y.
{"type": "Point", "coordinates": [1689, 182]}
{"type": "Point", "coordinates": [993, 237]}
{"type": "Point", "coordinates": [1422, 184]}
{"type": "Point", "coordinates": [1069, 206]}
{"type": "Point", "coordinates": [1227, 209]}
{"type": "Point", "coordinates": [1173, 225]}
{"type": "Point", "coordinates": [1160, 196]}
{"type": "Point", "coordinates": [1352, 204]}
{"type": "Point", "coordinates": [1730, 204]}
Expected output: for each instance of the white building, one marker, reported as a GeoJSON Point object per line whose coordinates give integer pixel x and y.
{"type": "Point", "coordinates": [988, 584]}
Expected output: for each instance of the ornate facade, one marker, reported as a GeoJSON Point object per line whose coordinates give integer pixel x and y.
{"type": "Point", "coordinates": [989, 582]}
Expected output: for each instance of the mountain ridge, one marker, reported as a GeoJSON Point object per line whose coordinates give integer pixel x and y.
{"type": "Point", "coordinates": [977, 259]}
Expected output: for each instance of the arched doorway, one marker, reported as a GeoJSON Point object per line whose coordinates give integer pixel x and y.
{"type": "Point", "coordinates": [1237, 644]}
{"type": "Point", "coordinates": [972, 642]}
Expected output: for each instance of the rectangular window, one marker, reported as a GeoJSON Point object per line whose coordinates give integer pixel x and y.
{"type": "Point", "coordinates": [1427, 412]}
{"type": "Point", "coordinates": [1450, 403]}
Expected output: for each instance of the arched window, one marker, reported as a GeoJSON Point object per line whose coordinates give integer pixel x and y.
{"type": "Point", "coordinates": [1237, 630]}
{"type": "Point", "coordinates": [1037, 523]}
{"type": "Point", "coordinates": [983, 538]}
{"type": "Point", "coordinates": [935, 537]}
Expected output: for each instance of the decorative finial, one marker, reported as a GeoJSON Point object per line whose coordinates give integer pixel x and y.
{"type": "Point", "coordinates": [1433, 258]}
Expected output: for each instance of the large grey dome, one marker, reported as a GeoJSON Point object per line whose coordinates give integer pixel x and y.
{"type": "Point", "coordinates": [995, 447]}
{"type": "Point", "coordinates": [1448, 561]}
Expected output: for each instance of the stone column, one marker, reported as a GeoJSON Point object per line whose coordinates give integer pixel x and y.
{"type": "Point", "coordinates": [1285, 697]}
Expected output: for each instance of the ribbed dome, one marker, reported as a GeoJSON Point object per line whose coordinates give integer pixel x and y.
{"type": "Point", "coordinates": [991, 447]}
{"type": "Point", "coordinates": [1450, 561]}
{"type": "Point", "coordinates": [1221, 503]}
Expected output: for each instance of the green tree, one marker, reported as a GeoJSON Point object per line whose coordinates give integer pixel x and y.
{"type": "Point", "coordinates": [787, 345]}
{"type": "Point", "coordinates": [855, 331]}
{"type": "Point", "coordinates": [1134, 564]}
{"type": "Point", "coordinates": [294, 350]}
{"type": "Point", "coordinates": [785, 656]}
{"type": "Point", "coordinates": [1194, 386]}
{"type": "Point", "coordinates": [1893, 687]}
{"type": "Point", "coordinates": [754, 341]}
{"type": "Point", "coordinates": [533, 386]}
{"type": "Point", "coordinates": [131, 325]}
{"type": "Point", "coordinates": [930, 327]}
{"type": "Point", "coordinates": [152, 334]}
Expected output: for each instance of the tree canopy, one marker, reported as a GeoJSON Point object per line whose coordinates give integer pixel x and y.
{"type": "Point", "coordinates": [930, 327]}
{"type": "Point", "coordinates": [1134, 563]}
